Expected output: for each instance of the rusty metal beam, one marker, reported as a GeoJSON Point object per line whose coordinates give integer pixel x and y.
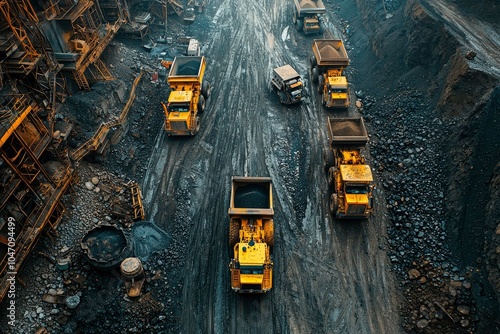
{"type": "Point", "coordinates": [98, 137]}
{"type": "Point", "coordinates": [20, 33]}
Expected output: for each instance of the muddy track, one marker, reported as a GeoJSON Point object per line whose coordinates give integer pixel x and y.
{"type": "Point", "coordinates": [329, 276]}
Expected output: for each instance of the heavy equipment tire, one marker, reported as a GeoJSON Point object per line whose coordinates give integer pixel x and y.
{"type": "Point", "coordinates": [206, 88]}
{"type": "Point", "coordinates": [299, 24]}
{"type": "Point", "coordinates": [282, 96]}
{"type": "Point", "coordinates": [197, 127]}
{"type": "Point", "coordinates": [269, 232]}
{"type": "Point", "coordinates": [273, 86]}
{"type": "Point", "coordinates": [334, 204]}
{"type": "Point", "coordinates": [328, 158]}
{"type": "Point", "coordinates": [312, 61]}
{"type": "Point", "coordinates": [314, 74]}
{"type": "Point", "coordinates": [201, 104]}
{"type": "Point", "coordinates": [321, 83]}
{"type": "Point", "coordinates": [331, 175]}
{"type": "Point", "coordinates": [234, 232]}
{"type": "Point", "coordinates": [321, 29]}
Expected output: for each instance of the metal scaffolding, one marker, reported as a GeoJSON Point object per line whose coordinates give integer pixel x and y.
{"type": "Point", "coordinates": [32, 181]}
{"type": "Point", "coordinates": [37, 65]}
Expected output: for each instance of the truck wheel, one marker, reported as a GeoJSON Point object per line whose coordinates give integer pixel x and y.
{"type": "Point", "coordinates": [269, 232]}
{"type": "Point", "coordinates": [321, 84]}
{"type": "Point", "coordinates": [314, 74]}
{"type": "Point", "coordinates": [328, 158]}
{"type": "Point", "coordinates": [331, 175]}
{"type": "Point", "coordinates": [299, 24]}
{"type": "Point", "coordinates": [197, 127]}
{"type": "Point", "coordinates": [282, 97]}
{"type": "Point", "coordinates": [206, 88]}
{"type": "Point", "coordinates": [321, 29]}
{"type": "Point", "coordinates": [234, 232]}
{"type": "Point", "coordinates": [201, 104]}
{"type": "Point", "coordinates": [313, 61]}
{"type": "Point", "coordinates": [334, 204]}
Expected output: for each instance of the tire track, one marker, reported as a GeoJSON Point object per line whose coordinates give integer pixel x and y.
{"type": "Point", "coordinates": [324, 276]}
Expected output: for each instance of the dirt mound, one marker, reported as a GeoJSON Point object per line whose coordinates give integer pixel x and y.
{"type": "Point", "coordinates": [328, 52]}
{"type": "Point", "coordinates": [347, 129]}
{"type": "Point", "coordinates": [308, 4]}
{"type": "Point", "coordinates": [147, 238]}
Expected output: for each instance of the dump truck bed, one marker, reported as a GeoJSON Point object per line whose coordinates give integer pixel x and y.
{"type": "Point", "coordinates": [286, 73]}
{"type": "Point", "coordinates": [330, 52]}
{"type": "Point", "coordinates": [187, 69]}
{"type": "Point", "coordinates": [310, 7]}
{"type": "Point", "coordinates": [347, 132]}
{"type": "Point", "coordinates": [251, 196]}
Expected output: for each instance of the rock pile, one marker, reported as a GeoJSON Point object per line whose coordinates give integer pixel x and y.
{"type": "Point", "coordinates": [407, 157]}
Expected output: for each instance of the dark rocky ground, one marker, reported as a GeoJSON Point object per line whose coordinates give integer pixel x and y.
{"type": "Point", "coordinates": [433, 151]}
{"type": "Point", "coordinates": [422, 147]}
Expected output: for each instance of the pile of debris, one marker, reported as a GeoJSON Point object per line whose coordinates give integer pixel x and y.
{"type": "Point", "coordinates": [407, 159]}
{"type": "Point", "coordinates": [443, 298]}
{"type": "Point", "coordinates": [58, 278]}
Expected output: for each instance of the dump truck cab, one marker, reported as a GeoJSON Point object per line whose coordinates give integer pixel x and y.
{"type": "Point", "coordinates": [251, 234]}
{"type": "Point", "coordinates": [312, 25]}
{"type": "Point", "coordinates": [188, 95]}
{"type": "Point", "coordinates": [288, 84]}
{"type": "Point", "coordinates": [335, 90]}
{"type": "Point", "coordinates": [193, 49]}
{"type": "Point", "coordinates": [353, 187]}
{"type": "Point", "coordinates": [253, 261]}
{"type": "Point", "coordinates": [328, 63]}
{"type": "Point", "coordinates": [349, 176]}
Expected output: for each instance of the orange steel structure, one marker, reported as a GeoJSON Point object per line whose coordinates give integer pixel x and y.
{"type": "Point", "coordinates": [48, 49]}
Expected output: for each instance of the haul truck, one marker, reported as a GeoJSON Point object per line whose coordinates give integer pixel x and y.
{"type": "Point", "coordinates": [288, 83]}
{"type": "Point", "coordinates": [328, 62]}
{"type": "Point", "coordinates": [251, 234]}
{"type": "Point", "coordinates": [189, 92]}
{"type": "Point", "coordinates": [306, 16]}
{"type": "Point", "coordinates": [349, 177]}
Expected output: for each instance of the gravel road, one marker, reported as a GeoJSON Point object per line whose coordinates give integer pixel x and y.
{"type": "Point", "coordinates": [330, 276]}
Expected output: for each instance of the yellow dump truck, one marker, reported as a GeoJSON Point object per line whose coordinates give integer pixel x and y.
{"type": "Point", "coordinates": [251, 234]}
{"type": "Point", "coordinates": [349, 177]}
{"type": "Point", "coordinates": [188, 95]}
{"type": "Point", "coordinates": [307, 16]}
{"type": "Point", "coordinates": [328, 63]}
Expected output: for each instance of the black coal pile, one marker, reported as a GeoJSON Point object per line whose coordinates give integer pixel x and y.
{"type": "Point", "coordinates": [406, 148]}
{"type": "Point", "coordinates": [251, 196]}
